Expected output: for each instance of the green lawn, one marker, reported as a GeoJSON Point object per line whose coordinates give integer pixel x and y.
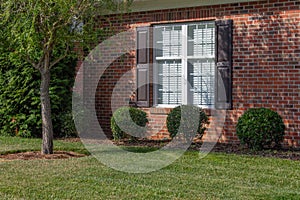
{"type": "Point", "coordinates": [218, 176]}
{"type": "Point", "coordinates": [16, 144]}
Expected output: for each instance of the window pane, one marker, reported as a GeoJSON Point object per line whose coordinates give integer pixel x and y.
{"type": "Point", "coordinates": [168, 41]}
{"type": "Point", "coordinates": [169, 82]}
{"type": "Point", "coordinates": [201, 41]}
{"type": "Point", "coordinates": [201, 79]}
{"type": "Point", "coordinates": [174, 59]}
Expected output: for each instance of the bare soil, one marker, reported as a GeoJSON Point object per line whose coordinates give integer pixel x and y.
{"type": "Point", "coordinates": [38, 155]}
{"type": "Point", "coordinates": [283, 153]}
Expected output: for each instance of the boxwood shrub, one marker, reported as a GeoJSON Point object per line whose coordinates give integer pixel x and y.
{"type": "Point", "coordinates": [259, 128]}
{"type": "Point", "coordinates": [174, 120]}
{"type": "Point", "coordinates": [127, 121]}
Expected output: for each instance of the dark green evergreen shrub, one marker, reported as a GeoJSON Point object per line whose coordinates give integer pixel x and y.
{"type": "Point", "coordinates": [187, 125]}
{"type": "Point", "coordinates": [260, 127]}
{"type": "Point", "coordinates": [127, 121]}
{"type": "Point", "coordinates": [20, 113]}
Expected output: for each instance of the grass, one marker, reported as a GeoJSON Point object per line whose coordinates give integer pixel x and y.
{"type": "Point", "coordinates": [217, 176]}
{"type": "Point", "coordinates": [16, 144]}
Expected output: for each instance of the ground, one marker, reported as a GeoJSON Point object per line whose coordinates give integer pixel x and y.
{"type": "Point", "coordinates": [37, 155]}
{"type": "Point", "coordinates": [290, 154]}
{"type": "Point", "coordinates": [284, 153]}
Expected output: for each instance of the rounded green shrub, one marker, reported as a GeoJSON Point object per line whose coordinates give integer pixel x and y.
{"type": "Point", "coordinates": [128, 121]}
{"type": "Point", "coordinates": [187, 125]}
{"type": "Point", "coordinates": [260, 127]}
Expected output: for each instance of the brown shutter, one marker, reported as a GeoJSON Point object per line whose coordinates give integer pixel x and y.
{"type": "Point", "coordinates": [223, 89]}
{"type": "Point", "coordinates": [142, 60]}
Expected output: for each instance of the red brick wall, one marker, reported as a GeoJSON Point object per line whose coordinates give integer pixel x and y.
{"type": "Point", "coordinates": [266, 61]}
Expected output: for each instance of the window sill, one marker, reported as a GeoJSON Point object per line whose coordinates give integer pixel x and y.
{"type": "Point", "coordinates": [165, 109]}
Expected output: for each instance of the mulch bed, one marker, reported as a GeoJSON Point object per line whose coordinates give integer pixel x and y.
{"type": "Point", "coordinates": [283, 153]}
{"type": "Point", "coordinates": [37, 155]}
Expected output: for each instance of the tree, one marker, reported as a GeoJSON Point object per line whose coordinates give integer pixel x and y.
{"type": "Point", "coordinates": [38, 30]}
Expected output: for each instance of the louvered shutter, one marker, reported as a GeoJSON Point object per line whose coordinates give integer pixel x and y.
{"type": "Point", "coordinates": [223, 84]}
{"type": "Point", "coordinates": [142, 61]}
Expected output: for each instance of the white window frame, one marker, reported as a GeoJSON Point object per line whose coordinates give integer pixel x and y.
{"type": "Point", "coordinates": [184, 61]}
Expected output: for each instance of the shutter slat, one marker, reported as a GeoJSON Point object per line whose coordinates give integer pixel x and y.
{"type": "Point", "coordinates": [223, 91]}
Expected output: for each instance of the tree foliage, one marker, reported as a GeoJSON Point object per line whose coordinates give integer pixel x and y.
{"type": "Point", "coordinates": [38, 27]}
{"type": "Point", "coordinates": [43, 32]}
{"type": "Point", "coordinates": [19, 97]}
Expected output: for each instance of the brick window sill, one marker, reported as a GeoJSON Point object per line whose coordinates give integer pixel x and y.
{"type": "Point", "coordinates": [165, 111]}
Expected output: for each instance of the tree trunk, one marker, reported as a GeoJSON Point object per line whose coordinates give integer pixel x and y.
{"type": "Point", "coordinates": [47, 128]}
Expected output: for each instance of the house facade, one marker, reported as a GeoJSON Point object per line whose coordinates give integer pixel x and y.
{"type": "Point", "coordinates": [220, 55]}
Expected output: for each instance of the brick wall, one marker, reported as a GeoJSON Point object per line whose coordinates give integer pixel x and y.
{"type": "Point", "coordinates": [266, 61]}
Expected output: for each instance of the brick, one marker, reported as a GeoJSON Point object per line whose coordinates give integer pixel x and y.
{"type": "Point", "coordinates": [265, 65]}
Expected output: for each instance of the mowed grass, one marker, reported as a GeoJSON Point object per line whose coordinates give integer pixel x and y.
{"type": "Point", "coordinates": [16, 144]}
{"type": "Point", "coordinates": [217, 176]}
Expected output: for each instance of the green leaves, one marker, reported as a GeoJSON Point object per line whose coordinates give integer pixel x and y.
{"type": "Point", "coordinates": [174, 121]}
{"type": "Point", "coordinates": [20, 101]}
{"type": "Point", "coordinates": [35, 28]}
{"type": "Point", "coordinates": [35, 31]}
{"type": "Point", "coordinates": [128, 121]}
{"type": "Point", "coordinates": [260, 127]}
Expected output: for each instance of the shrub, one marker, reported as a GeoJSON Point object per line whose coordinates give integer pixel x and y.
{"type": "Point", "coordinates": [20, 113]}
{"type": "Point", "coordinates": [174, 121]}
{"type": "Point", "coordinates": [64, 125]}
{"type": "Point", "coordinates": [127, 121]}
{"type": "Point", "coordinates": [260, 127]}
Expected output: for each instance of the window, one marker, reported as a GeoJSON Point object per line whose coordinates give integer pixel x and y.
{"type": "Point", "coordinates": [184, 64]}
{"type": "Point", "coordinates": [192, 64]}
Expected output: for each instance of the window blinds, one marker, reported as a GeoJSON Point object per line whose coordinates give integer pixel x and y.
{"type": "Point", "coordinates": [174, 59]}
{"type": "Point", "coordinates": [169, 78]}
